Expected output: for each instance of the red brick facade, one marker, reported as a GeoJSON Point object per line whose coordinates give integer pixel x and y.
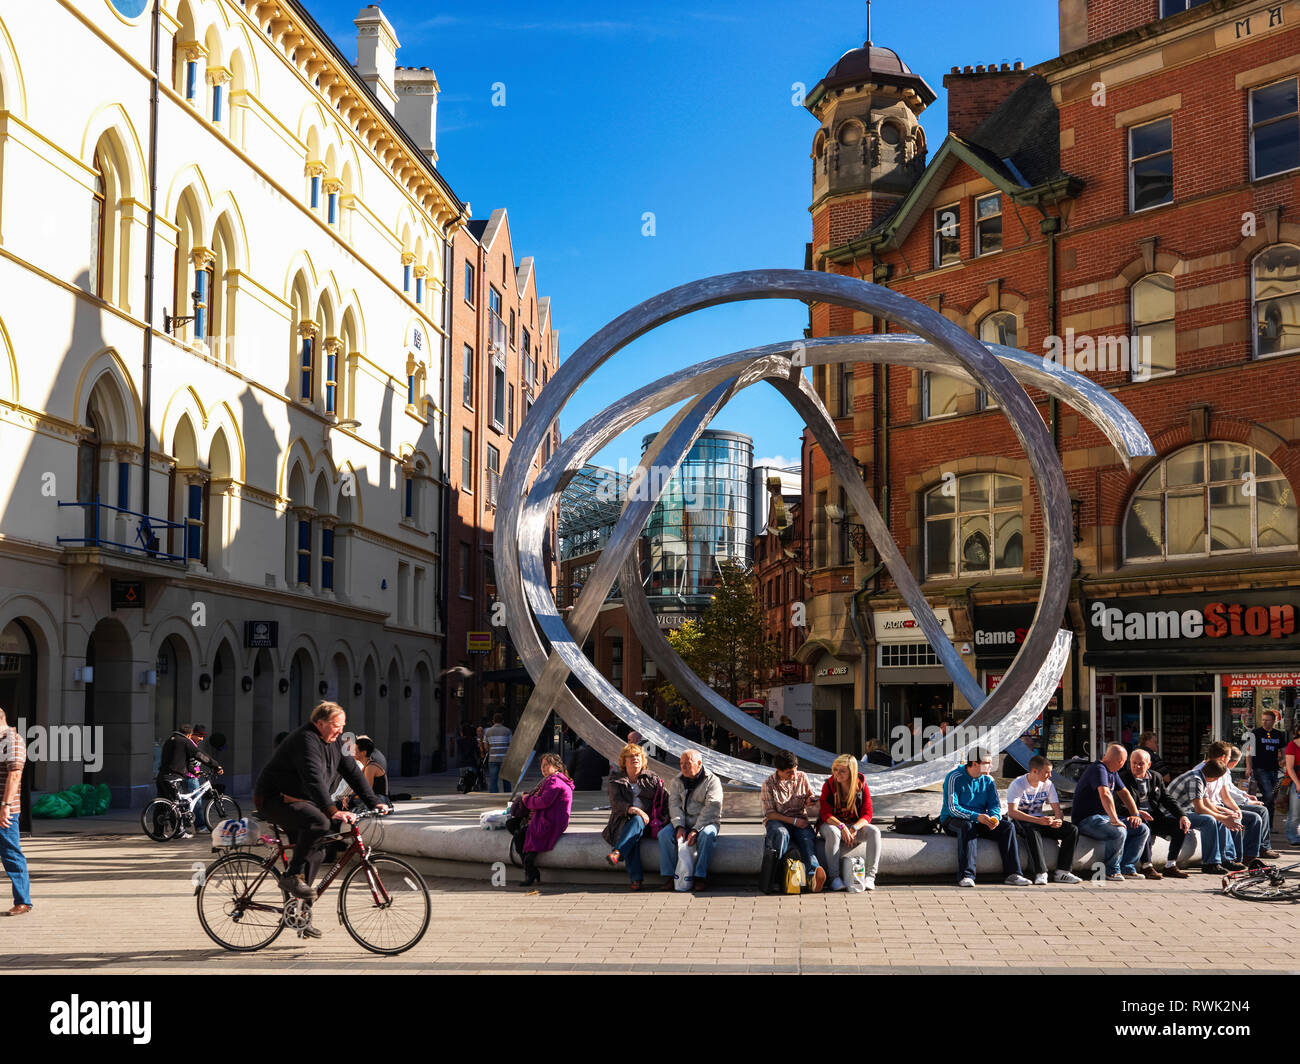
{"type": "Point", "coordinates": [1197, 69]}
{"type": "Point", "coordinates": [498, 681]}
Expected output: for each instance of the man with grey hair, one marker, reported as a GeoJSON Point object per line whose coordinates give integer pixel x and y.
{"type": "Point", "coordinates": [13, 756]}
{"type": "Point", "coordinates": [1157, 809]}
{"type": "Point", "coordinates": [695, 814]}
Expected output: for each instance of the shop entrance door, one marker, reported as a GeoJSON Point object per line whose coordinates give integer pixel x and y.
{"type": "Point", "coordinates": [1186, 729]}
{"type": "Point", "coordinates": [1137, 713]}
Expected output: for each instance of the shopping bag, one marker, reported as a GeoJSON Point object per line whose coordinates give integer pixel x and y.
{"type": "Point", "coordinates": [684, 877]}
{"type": "Point", "coordinates": [853, 871]}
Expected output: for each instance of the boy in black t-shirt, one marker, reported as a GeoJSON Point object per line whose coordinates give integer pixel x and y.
{"type": "Point", "coordinates": [1263, 750]}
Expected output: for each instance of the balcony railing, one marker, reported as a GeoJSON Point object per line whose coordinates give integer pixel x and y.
{"type": "Point", "coordinates": [99, 515]}
{"type": "Point", "coordinates": [496, 334]}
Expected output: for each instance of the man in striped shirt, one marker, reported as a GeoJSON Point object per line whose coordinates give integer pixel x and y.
{"type": "Point", "coordinates": [498, 739]}
{"type": "Point", "coordinates": [13, 755]}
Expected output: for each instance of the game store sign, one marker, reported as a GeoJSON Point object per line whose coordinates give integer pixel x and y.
{"type": "Point", "coordinates": [1213, 619]}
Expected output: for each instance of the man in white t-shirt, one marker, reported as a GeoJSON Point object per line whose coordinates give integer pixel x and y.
{"type": "Point", "coordinates": [1026, 798]}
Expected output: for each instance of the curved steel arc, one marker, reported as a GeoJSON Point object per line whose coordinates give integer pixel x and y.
{"type": "Point", "coordinates": [1041, 642]}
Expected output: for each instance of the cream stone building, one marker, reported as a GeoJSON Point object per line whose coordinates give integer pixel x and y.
{"type": "Point", "coordinates": [284, 435]}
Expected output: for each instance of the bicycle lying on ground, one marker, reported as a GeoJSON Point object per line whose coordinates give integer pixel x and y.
{"type": "Point", "coordinates": [383, 901]}
{"type": "Point", "coordinates": [1265, 883]}
{"type": "Point", "coordinates": [163, 818]}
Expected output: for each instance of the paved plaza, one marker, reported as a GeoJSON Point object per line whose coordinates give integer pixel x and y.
{"type": "Point", "coordinates": [118, 903]}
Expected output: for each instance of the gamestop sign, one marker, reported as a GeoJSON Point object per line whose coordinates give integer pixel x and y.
{"type": "Point", "coordinates": [1258, 619]}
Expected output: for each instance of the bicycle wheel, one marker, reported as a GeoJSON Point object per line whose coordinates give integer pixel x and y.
{"type": "Point", "coordinates": [218, 808]}
{"type": "Point", "coordinates": [240, 907]}
{"type": "Point", "coordinates": [160, 820]}
{"type": "Point", "coordinates": [1265, 888]}
{"type": "Point", "coordinates": [386, 907]}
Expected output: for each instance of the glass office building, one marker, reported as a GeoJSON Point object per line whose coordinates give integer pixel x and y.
{"type": "Point", "coordinates": [702, 518]}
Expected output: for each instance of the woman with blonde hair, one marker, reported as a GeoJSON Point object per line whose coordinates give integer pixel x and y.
{"type": "Point", "coordinates": [638, 808]}
{"type": "Point", "coordinates": [844, 824]}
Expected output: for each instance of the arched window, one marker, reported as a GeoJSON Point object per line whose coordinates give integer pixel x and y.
{"type": "Point", "coordinates": [1210, 498]}
{"type": "Point", "coordinates": [973, 525]}
{"type": "Point", "coordinates": [1276, 297]}
{"type": "Point", "coordinates": [97, 231]}
{"type": "Point", "coordinates": [1153, 325]}
{"type": "Point", "coordinates": [999, 328]}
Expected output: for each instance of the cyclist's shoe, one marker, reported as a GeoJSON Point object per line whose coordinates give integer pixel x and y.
{"type": "Point", "coordinates": [187, 835]}
{"type": "Point", "coordinates": [296, 885]}
{"type": "Point", "coordinates": [311, 931]}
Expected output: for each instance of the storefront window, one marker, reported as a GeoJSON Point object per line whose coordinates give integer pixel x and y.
{"type": "Point", "coordinates": [973, 526]}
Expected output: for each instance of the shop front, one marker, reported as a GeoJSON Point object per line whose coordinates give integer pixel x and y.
{"type": "Point", "coordinates": [911, 682]}
{"type": "Point", "coordinates": [1191, 668]}
{"type": "Point", "coordinates": [835, 724]}
{"type": "Point", "coordinates": [999, 633]}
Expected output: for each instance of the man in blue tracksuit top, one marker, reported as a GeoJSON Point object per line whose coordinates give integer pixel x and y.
{"type": "Point", "coordinates": [973, 811]}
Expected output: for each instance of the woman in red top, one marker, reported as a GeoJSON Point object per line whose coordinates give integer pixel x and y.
{"type": "Point", "coordinates": [844, 824]}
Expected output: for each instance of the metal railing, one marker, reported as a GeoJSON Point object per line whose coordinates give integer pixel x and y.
{"type": "Point", "coordinates": [147, 531]}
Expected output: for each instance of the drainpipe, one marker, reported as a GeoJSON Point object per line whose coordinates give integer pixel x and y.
{"type": "Point", "coordinates": [855, 619]}
{"type": "Point", "coordinates": [146, 373]}
{"type": "Point", "coordinates": [448, 259]}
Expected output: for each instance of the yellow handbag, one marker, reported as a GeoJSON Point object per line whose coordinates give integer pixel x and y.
{"type": "Point", "coordinates": [796, 876]}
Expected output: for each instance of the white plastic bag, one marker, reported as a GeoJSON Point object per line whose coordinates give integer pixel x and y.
{"type": "Point", "coordinates": [232, 833]}
{"type": "Point", "coordinates": [495, 820]}
{"type": "Point", "coordinates": [853, 870]}
{"type": "Point", "coordinates": [684, 877]}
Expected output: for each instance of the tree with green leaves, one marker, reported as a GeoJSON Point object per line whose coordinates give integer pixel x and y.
{"type": "Point", "coordinates": [726, 647]}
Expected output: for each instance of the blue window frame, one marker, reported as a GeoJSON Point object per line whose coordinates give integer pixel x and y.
{"type": "Point", "coordinates": [194, 522]}
{"type": "Point", "coordinates": [315, 191]}
{"type": "Point", "coordinates": [304, 552]}
{"type": "Point", "coordinates": [327, 558]}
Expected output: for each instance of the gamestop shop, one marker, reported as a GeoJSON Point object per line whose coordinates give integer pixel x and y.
{"type": "Point", "coordinates": [1192, 668]}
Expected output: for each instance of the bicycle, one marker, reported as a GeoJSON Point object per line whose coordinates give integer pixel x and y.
{"type": "Point", "coordinates": [1266, 883]}
{"type": "Point", "coordinates": [163, 818]}
{"type": "Point", "coordinates": [383, 901]}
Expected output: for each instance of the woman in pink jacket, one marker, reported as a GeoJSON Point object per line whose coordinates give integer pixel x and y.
{"type": "Point", "coordinates": [549, 805]}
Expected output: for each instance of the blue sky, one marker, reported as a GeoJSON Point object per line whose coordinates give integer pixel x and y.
{"type": "Point", "coordinates": [677, 109]}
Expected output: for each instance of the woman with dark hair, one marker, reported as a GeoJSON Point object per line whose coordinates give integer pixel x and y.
{"type": "Point", "coordinates": [375, 776]}
{"type": "Point", "coordinates": [638, 808]}
{"type": "Point", "coordinates": [549, 805]}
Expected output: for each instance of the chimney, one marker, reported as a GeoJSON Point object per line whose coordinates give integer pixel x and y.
{"type": "Point", "coordinates": [1072, 18]}
{"type": "Point", "coordinates": [377, 53]}
{"type": "Point", "coordinates": [417, 107]}
{"type": "Point", "coordinates": [974, 95]}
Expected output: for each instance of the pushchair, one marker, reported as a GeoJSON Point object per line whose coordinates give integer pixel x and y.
{"type": "Point", "coordinates": [473, 779]}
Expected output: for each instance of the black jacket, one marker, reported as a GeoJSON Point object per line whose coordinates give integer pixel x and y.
{"type": "Point", "coordinates": [588, 768]}
{"type": "Point", "coordinates": [177, 753]}
{"type": "Point", "coordinates": [1158, 800]}
{"type": "Point", "coordinates": [304, 766]}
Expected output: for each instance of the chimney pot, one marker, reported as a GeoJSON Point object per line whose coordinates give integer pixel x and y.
{"type": "Point", "coordinates": [1018, 65]}
{"type": "Point", "coordinates": [969, 69]}
{"type": "Point", "coordinates": [979, 69]}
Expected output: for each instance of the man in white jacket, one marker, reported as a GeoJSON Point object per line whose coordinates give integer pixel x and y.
{"type": "Point", "coordinates": [695, 812]}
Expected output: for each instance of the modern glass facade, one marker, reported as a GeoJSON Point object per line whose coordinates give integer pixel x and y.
{"type": "Point", "coordinates": [702, 517]}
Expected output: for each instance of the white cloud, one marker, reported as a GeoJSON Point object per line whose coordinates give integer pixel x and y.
{"type": "Point", "coordinates": [779, 461]}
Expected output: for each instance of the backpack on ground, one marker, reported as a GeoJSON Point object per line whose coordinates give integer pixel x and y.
{"type": "Point", "coordinates": [916, 825]}
{"type": "Point", "coordinates": [770, 870]}
{"type": "Point", "coordinates": [796, 876]}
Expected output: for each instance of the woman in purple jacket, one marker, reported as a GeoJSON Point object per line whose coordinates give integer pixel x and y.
{"type": "Point", "coordinates": [549, 803]}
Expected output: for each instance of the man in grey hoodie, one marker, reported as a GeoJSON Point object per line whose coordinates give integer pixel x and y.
{"type": "Point", "coordinates": [695, 812]}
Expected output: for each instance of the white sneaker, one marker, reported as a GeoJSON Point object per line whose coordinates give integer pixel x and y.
{"type": "Point", "coordinates": [1118, 877]}
{"type": "Point", "coordinates": [1016, 881]}
{"type": "Point", "coordinates": [1061, 876]}
{"type": "Point", "coordinates": [837, 883]}
{"type": "Point", "coordinates": [187, 834]}
{"type": "Point", "coordinates": [870, 883]}
{"type": "Point", "coordinates": [965, 881]}
{"type": "Point", "coordinates": [1040, 880]}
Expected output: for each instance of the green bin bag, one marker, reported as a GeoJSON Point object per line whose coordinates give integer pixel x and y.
{"type": "Point", "coordinates": [51, 807]}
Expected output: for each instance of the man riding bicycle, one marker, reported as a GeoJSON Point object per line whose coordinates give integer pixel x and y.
{"type": "Point", "coordinates": [294, 788]}
{"type": "Point", "coordinates": [180, 754]}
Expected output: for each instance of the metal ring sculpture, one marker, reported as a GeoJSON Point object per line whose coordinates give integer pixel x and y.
{"type": "Point", "coordinates": [940, 346]}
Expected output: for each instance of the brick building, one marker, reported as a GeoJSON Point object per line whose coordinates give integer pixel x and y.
{"type": "Point", "coordinates": [504, 350]}
{"type": "Point", "coordinates": [1138, 191]}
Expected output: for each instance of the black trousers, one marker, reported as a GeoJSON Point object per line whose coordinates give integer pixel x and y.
{"type": "Point", "coordinates": [1067, 835]}
{"type": "Point", "coordinates": [530, 866]}
{"type": "Point", "coordinates": [1167, 828]}
{"type": "Point", "coordinates": [306, 824]}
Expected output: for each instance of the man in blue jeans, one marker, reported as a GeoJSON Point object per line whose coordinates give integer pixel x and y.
{"type": "Point", "coordinates": [1263, 755]}
{"type": "Point", "coordinates": [1215, 824]}
{"type": "Point", "coordinates": [1094, 814]}
{"type": "Point", "coordinates": [13, 755]}
{"type": "Point", "coordinates": [972, 811]}
{"type": "Point", "coordinates": [788, 800]}
{"type": "Point", "coordinates": [694, 813]}
{"type": "Point", "coordinates": [498, 740]}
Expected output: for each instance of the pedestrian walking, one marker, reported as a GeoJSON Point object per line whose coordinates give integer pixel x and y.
{"type": "Point", "coordinates": [13, 756]}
